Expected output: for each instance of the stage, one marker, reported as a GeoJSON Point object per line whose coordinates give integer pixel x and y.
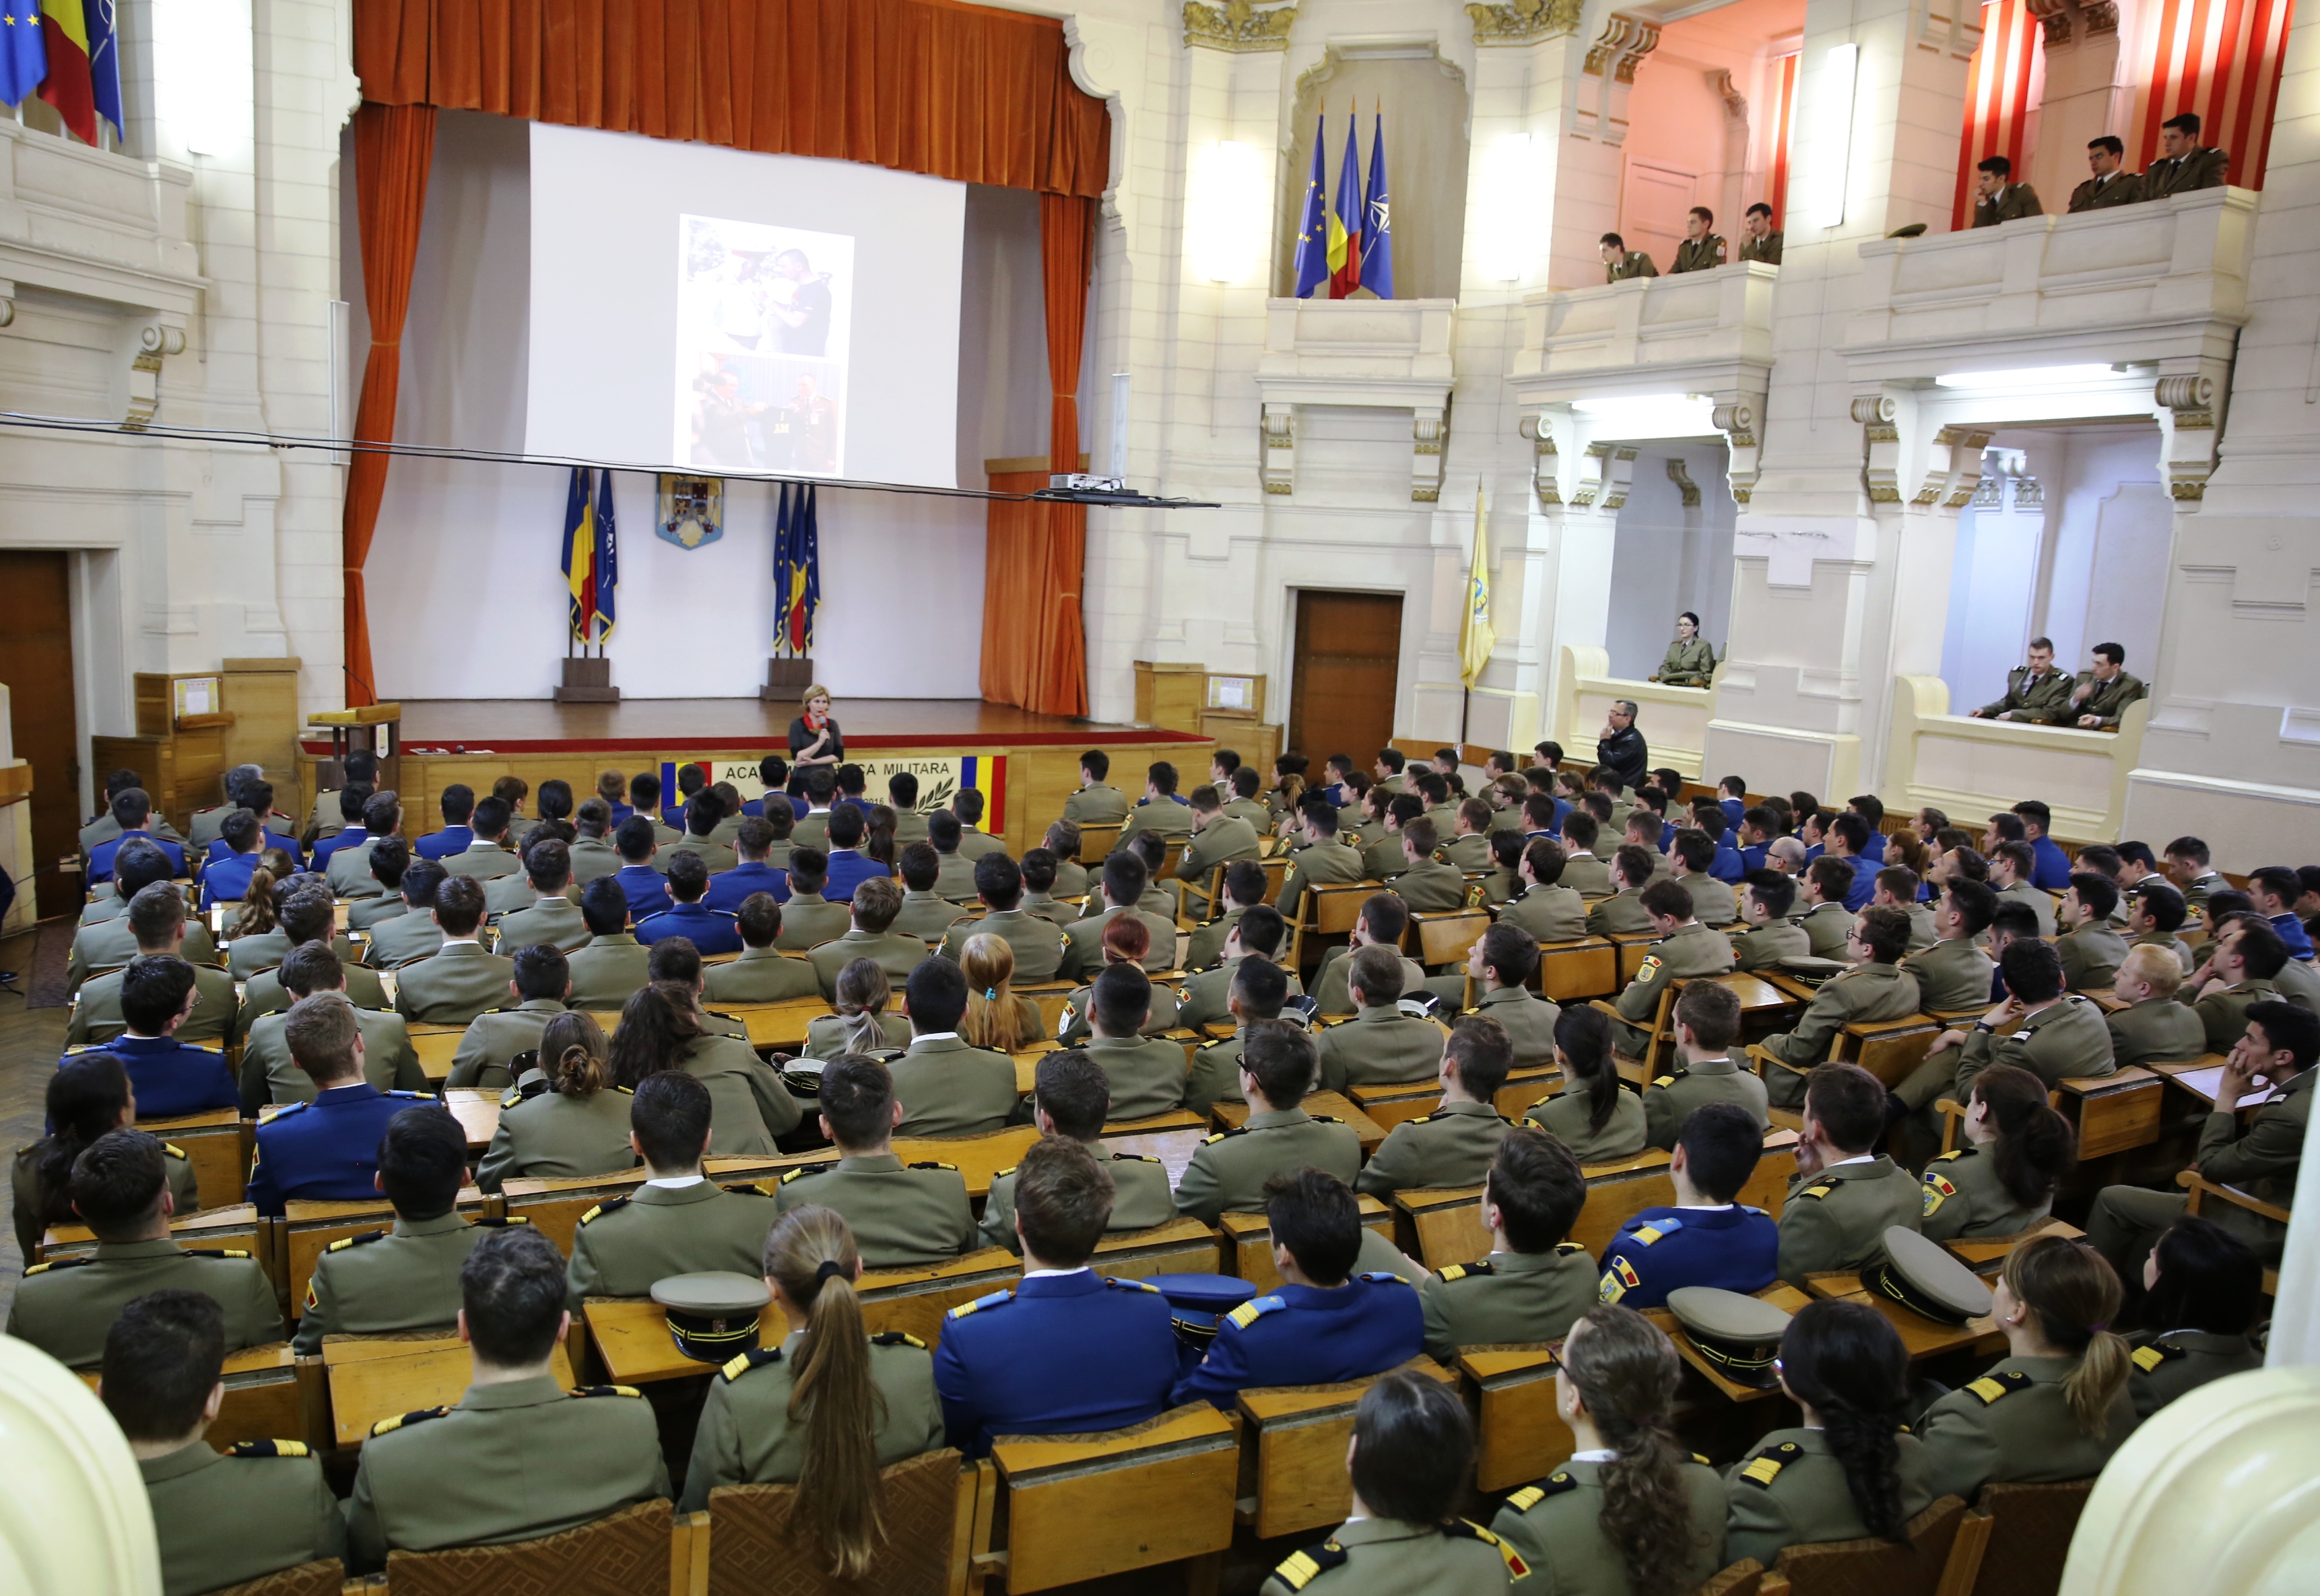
{"type": "Point", "coordinates": [1025, 764]}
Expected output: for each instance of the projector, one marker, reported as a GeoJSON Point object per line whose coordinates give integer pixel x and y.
{"type": "Point", "coordinates": [1081, 482]}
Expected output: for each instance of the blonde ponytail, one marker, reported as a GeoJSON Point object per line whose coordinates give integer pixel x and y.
{"type": "Point", "coordinates": [812, 1255]}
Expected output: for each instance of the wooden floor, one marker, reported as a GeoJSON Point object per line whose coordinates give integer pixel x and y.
{"type": "Point", "coordinates": [31, 1039]}
{"type": "Point", "coordinates": [532, 725]}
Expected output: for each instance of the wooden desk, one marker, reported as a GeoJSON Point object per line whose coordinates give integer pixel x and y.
{"type": "Point", "coordinates": [2114, 1113]}
{"type": "Point", "coordinates": [1525, 1087]}
{"type": "Point", "coordinates": [1925, 1337]}
{"type": "Point", "coordinates": [1295, 1437]}
{"type": "Point", "coordinates": [1633, 948]}
{"type": "Point", "coordinates": [1173, 1120]}
{"type": "Point", "coordinates": [267, 1397]}
{"type": "Point", "coordinates": [1174, 1148]}
{"type": "Point", "coordinates": [434, 1044]}
{"type": "Point", "coordinates": [1246, 1249]}
{"type": "Point", "coordinates": [375, 1377]}
{"type": "Point", "coordinates": [1575, 971]}
{"type": "Point", "coordinates": [1230, 1116]}
{"type": "Point", "coordinates": [978, 1158]}
{"type": "Point", "coordinates": [1441, 1225]}
{"type": "Point", "coordinates": [237, 1227]}
{"type": "Point", "coordinates": [1803, 991]}
{"type": "Point", "coordinates": [2105, 998]}
{"type": "Point", "coordinates": [914, 1301]}
{"type": "Point", "coordinates": [555, 1206]}
{"type": "Point", "coordinates": [1082, 1508]}
{"type": "Point", "coordinates": [1784, 1297]}
{"type": "Point", "coordinates": [1985, 1254]}
{"type": "Point", "coordinates": [1757, 995]}
{"type": "Point", "coordinates": [1519, 1436]}
{"type": "Point", "coordinates": [217, 1144]}
{"type": "Point", "coordinates": [1180, 1247]}
{"type": "Point", "coordinates": [632, 1340]}
{"type": "Point", "coordinates": [1392, 1104]}
{"type": "Point", "coordinates": [477, 1111]}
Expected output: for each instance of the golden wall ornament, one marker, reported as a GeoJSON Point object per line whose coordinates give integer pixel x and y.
{"type": "Point", "coordinates": [1523, 22]}
{"type": "Point", "coordinates": [1236, 26]}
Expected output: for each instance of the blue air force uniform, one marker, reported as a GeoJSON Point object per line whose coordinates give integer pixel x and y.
{"type": "Point", "coordinates": [2050, 869]}
{"type": "Point", "coordinates": [354, 836]}
{"type": "Point", "coordinates": [730, 889]}
{"type": "Point", "coordinates": [1059, 1355]}
{"type": "Point", "coordinates": [646, 890]}
{"type": "Point", "coordinates": [100, 858]}
{"type": "Point", "coordinates": [226, 880]}
{"type": "Point", "coordinates": [442, 845]}
{"type": "Point", "coordinates": [709, 931]}
{"type": "Point", "coordinates": [1661, 1249]}
{"type": "Point", "coordinates": [271, 837]}
{"type": "Point", "coordinates": [1303, 1335]}
{"type": "Point", "coordinates": [325, 1150]}
{"type": "Point", "coordinates": [169, 1077]}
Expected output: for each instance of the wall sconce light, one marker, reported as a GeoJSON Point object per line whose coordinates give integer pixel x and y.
{"type": "Point", "coordinates": [1831, 146]}
{"type": "Point", "coordinates": [1228, 212]}
{"type": "Point", "coordinates": [1513, 231]}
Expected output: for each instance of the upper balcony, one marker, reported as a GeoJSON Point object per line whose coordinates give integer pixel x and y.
{"type": "Point", "coordinates": [97, 225]}
{"type": "Point", "coordinates": [1391, 354]}
{"type": "Point", "coordinates": [1690, 332]}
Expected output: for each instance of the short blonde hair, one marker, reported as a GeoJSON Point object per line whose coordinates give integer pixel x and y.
{"type": "Point", "coordinates": [2149, 962]}
{"type": "Point", "coordinates": [812, 693]}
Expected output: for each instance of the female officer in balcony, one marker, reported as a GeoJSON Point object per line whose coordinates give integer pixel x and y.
{"type": "Point", "coordinates": [1690, 659]}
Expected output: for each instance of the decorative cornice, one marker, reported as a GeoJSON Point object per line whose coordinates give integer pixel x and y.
{"type": "Point", "coordinates": [1236, 26]}
{"type": "Point", "coordinates": [1525, 21]}
{"type": "Point", "coordinates": [1735, 104]}
{"type": "Point", "coordinates": [1624, 43]}
{"type": "Point", "coordinates": [1684, 482]}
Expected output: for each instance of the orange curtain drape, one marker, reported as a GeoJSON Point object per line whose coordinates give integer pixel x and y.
{"type": "Point", "coordinates": [394, 145]}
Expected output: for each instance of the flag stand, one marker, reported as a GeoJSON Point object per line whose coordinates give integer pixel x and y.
{"type": "Point", "coordinates": [587, 679]}
{"type": "Point", "coordinates": [787, 676]}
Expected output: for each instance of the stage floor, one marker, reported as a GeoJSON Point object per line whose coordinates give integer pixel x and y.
{"type": "Point", "coordinates": [532, 725]}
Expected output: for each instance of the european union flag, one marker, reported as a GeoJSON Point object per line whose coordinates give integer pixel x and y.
{"type": "Point", "coordinates": [23, 52]}
{"type": "Point", "coordinates": [1313, 232]}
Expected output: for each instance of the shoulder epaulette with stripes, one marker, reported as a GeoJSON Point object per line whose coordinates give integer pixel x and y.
{"type": "Point", "coordinates": [804, 1169]}
{"type": "Point", "coordinates": [2148, 1358]}
{"type": "Point", "coordinates": [268, 1449]}
{"type": "Point", "coordinates": [599, 1391]}
{"type": "Point", "coordinates": [612, 1205]}
{"type": "Point", "coordinates": [757, 1357]}
{"type": "Point", "coordinates": [745, 1188]}
{"type": "Point", "coordinates": [1117, 1283]}
{"type": "Point", "coordinates": [216, 1252]}
{"type": "Point", "coordinates": [1301, 1569]}
{"type": "Point", "coordinates": [1254, 1309]}
{"type": "Point", "coordinates": [901, 1338]}
{"type": "Point", "coordinates": [1461, 1271]}
{"type": "Point", "coordinates": [491, 1223]}
{"type": "Point", "coordinates": [934, 1163]}
{"type": "Point", "coordinates": [1762, 1471]}
{"type": "Point", "coordinates": [344, 1242]}
{"type": "Point", "coordinates": [1989, 1388]}
{"type": "Point", "coordinates": [1465, 1530]}
{"type": "Point", "coordinates": [172, 1150]}
{"type": "Point", "coordinates": [994, 1301]}
{"type": "Point", "coordinates": [386, 1427]}
{"type": "Point", "coordinates": [1823, 1189]}
{"type": "Point", "coordinates": [1530, 1496]}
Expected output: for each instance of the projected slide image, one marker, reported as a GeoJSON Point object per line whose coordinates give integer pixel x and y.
{"type": "Point", "coordinates": [764, 314]}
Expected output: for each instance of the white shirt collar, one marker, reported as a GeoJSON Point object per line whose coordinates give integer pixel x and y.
{"type": "Point", "coordinates": [1597, 1455]}
{"type": "Point", "coordinates": [463, 943]}
{"type": "Point", "coordinates": [1709, 1207]}
{"type": "Point", "coordinates": [935, 1035]}
{"type": "Point", "coordinates": [1053, 1274]}
{"type": "Point", "coordinates": [677, 1183]}
{"type": "Point", "coordinates": [1856, 1158]}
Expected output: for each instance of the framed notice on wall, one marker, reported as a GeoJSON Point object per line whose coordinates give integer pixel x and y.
{"type": "Point", "coordinates": [197, 696]}
{"type": "Point", "coordinates": [1232, 693]}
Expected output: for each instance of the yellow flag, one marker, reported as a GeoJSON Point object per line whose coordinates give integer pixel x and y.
{"type": "Point", "coordinates": [1475, 637]}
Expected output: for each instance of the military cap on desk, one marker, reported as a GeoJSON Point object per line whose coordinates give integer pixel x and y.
{"type": "Point", "coordinates": [1813, 971]}
{"type": "Point", "coordinates": [712, 1316]}
{"type": "Point", "coordinates": [1197, 1302]}
{"type": "Point", "coordinates": [1920, 1274]}
{"type": "Point", "coordinates": [1739, 1335]}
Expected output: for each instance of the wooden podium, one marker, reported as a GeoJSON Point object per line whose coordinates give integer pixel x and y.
{"type": "Point", "coordinates": [374, 728]}
{"type": "Point", "coordinates": [194, 726]}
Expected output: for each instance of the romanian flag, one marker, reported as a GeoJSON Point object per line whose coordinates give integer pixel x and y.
{"type": "Point", "coordinates": [84, 81]}
{"type": "Point", "coordinates": [987, 775]}
{"type": "Point", "coordinates": [591, 554]}
{"type": "Point", "coordinates": [1346, 223]}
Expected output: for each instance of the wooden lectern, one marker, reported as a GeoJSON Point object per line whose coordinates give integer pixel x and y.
{"type": "Point", "coordinates": [374, 728]}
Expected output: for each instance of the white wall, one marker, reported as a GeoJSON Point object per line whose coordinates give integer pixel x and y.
{"type": "Point", "coordinates": [1666, 558]}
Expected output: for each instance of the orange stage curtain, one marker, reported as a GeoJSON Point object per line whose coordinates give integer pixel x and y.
{"type": "Point", "coordinates": [394, 145]}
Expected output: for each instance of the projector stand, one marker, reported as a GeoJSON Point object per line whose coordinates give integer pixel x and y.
{"type": "Point", "coordinates": [787, 676]}
{"type": "Point", "coordinates": [587, 681]}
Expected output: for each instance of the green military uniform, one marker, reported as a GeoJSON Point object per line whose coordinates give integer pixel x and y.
{"type": "Point", "coordinates": [1429, 887]}
{"type": "Point", "coordinates": [949, 1088]}
{"type": "Point", "coordinates": [1507, 1297]}
{"type": "Point", "coordinates": [2262, 1161]}
{"type": "Point", "coordinates": [1712, 903]}
{"type": "Point", "coordinates": [1333, 989]}
{"type": "Point", "coordinates": [1037, 944]}
{"type": "Point", "coordinates": [749, 1104]}
{"type": "Point", "coordinates": [1767, 249]}
{"type": "Point", "coordinates": [1689, 951]}
{"type": "Point", "coordinates": [1390, 1557]}
{"type": "Point", "coordinates": [1825, 927]}
{"type": "Point", "coordinates": [1556, 1527]}
{"type": "Point", "coordinates": [1229, 1172]}
{"type": "Point", "coordinates": [65, 1308]}
{"type": "Point", "coordinates": [1528, 1021]}
{"type": "Point", "coordinates": [2040, 902]}
{"type": "Point", "coordinates": [2200, 167]}
{"type": "Point", "coordinates": [385, 1280]}
{"type": "Point", "coordinates": [2011, 202]}
{"type": "Point", "coordinates": [485, 861]}
{"type": "Point", "coordinates": [927, 916]}
{"type": "Point", "coordinates": [1790, 1491]}
{"type": "Point", "coordinates": [610, 970]}
{"type": "Point", "coordinates": [825, 1035]}
{"type": "Point", "coordinates": [974, 843]}
{"type": "Point", "coordinates": [896, 955]}
{"type": "Point", "coordinates": [2025, 699]}
{"type": "Point", "coordinates": [530, 1459]}
{"type": "Point", "coordinates": [1140, 1198]}
{"type": "Point", "coordinates": [1215, 1073]}
{"type": "Point", "coordinates": [758, 976]}
{"type": "Point", "coordinates": [96, 1014]}
{"type": "Point", "coordinates": [2091, 955]}
{"type": "Point", "coordinates": [1765, 946]}
{"type": "Point", "coordinates": [1837, 1219]}
{"type": "Point", "coordinates": [1468, 854]}
{"type": "Point", "coordinates": [1964, 1197]}
{"type": "Point", "coordinates": [1634, 263]}
{"type": "Point", "coordinates": [249, 957]}
{"type": "Point", "coordinates": [1703, 253]}
{"type": "Point", "coordinates": [269, 1074]}
{"type": "Point", "coordinates": [625, 1246]}
{"type": "Point", "coordinates": [809, 919]}
{"type": "Point", "coordinates": [367, 912]}
{"type": "Point", "coordinates": [1922, 934]}
{"type": "Point", "coordinates": [1146, 1073]}
{"type": "Point", "coordinates": [403, 940]}
{"type": "Point", "coordinates": [459, 983]}
{"type": "Point", "coordinates": [594, 859]}
{"type": "Point", "coordinates": [2066, 1041]}
{"type": "Point", "coordinates": [1670, 1098]}
{"type": "Point", "coordinates": [1555, 913]}
{"type": "Point", "coordinates": [2222, 1015]}
{"type": "Point", "coordinates": [1379, 1046]}
{"type": "Point", "coordinates": [109, 944]}
{"type": "Point", "coordinates": [2177, 1362]}
{"type": "Point", "coordinates": [2013, 1425]}
{"type": "Point", "coordinates": [1861, 994]}
{"type": "Point", "coordinates": [1074, 1027]}
{"type": "Point", "coordinates": [956, 876]}
{"type": "Point", "coordinates": [554, 923]}
{"type": "Point", "coordinates": [2156, 1031]}
{"type": "Point", "coordinates": [493, 1040]}
{"type": "Point", "coordinates": [1451, 1146]}
{"type": "Point", "coordinates": [2107, 700]}
{"type": "Point", "coordinates": [1952, 975]}
{"type": "Point", "coordinates": [30, 1196]}
{"type": "Point", "coordinates": [2172, 944]}
{"type": "Point", "coordinates": [901, 1217]}
{"type": "Point", "coordinates": [1622, 915]}
{"type": "Point", "coordinates": [1208, 941]}
{"type": "Point", "coordinates": [749, 1437]}
{"type": "Point", "coordinates": [1169, 819]}
{"type": "Point", "coordinates": [548, 1135]}
{"type": "Point", "coordinates": [1099, 803]}
{"type": "Point", "coordinates": [1565, 1116]}
{"type": "Point", "coordinates": [715, 854]}
{"type": "Point", "coordinates": [222, 1518]}
{"type": "Point", "coordinates": [1384, 857]}
{"type": "Point", "coordinates": [1689, 661]}
{"type": "Point", "coordinates": [1083, 957]}
{"type": "Point", "coordinates": [2100, 194]}
{"type": "Point", "coordinates": [1259, 816]}
{"type": "Point", "coordinates": [349, 870]}
{"type": "Point", "coordinates": [104, 828]}
{"type": "Point", "coordinates": [1223, 841]}
{"type": "Point", "coordinates": [2298, 981]}
{"type": "Point", "coordinates": [1070, 879]}
{"type": "Point", "coordinates": [265, 993]}
{"type": "Point", "coordinates": [1046, 905]}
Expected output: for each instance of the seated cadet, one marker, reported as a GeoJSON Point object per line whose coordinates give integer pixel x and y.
{"type": "Point", "coordinates": [1875, 987]}
{"type": "Point", "coordinates": [903, 798]}
{"type": "Point", "coordinates": [1038, 943]}
{"type": "Point", "coordinates": [762, 974]}
{"type": "Point", "coordinates": [1501, 962]}
{"type": "Point", "coordinates": [2243, 968]}
{"type": "Point", "coordinates": [1954, 974]}
{"type": "Point", "coordinates": [2056, 1406]}
{"type": "Point", "coordinates": [349, 872]}
{"type": "Point", "coordinates": [926, 913]}
{"type": "Point", "coordinates": [953, 1089]}
{"type": "Point", "coordinates": [1468, 851]}
{"type": "Point", "coordinates": [268, 1074]}
{"type": "Point", "coordinates": [1163, 893]}
{"type": "Point", "coordinates": [752, 843]}
{"type": "Point", "coordinates": [808, 919]}
{"type": "Point", "coordinates": [754, 1431]}
{"type": "Point", "coordinates": [1063, 839]}
{"type": "Point", "coordinates": [1379, 1045]}
{"type": "Point", "coordinates": [1764, 903]}
{"type": "Point", "coordinates": [678, 1221]}
{"type": "Point", "coordinates": [1258, 993]}
{"type": "Point", "coordinates": [306, 921]}
{"type": "Point", "coordinates": [531, 1458]}
{"type": "Point", "coordinates": [1535, 1280]}
{"type": "Point", "coordinates": [1320, 859]}
{"type": "Point", "coordinates": [1070, 1098]}
{"type": "Point", "coordinates": [1067, 1350]}
{"type": "Point", "coordinates": [362, 770]}
{"type": "Point", "coordinates": [2011, 865]}
{"type": "Point", "coordinates": [643, 798]}
{"type": "Point", "coordinates": [563, 1117]}
{"type": "Point", "coordinates": [967, 804]}
{"type": "Point", "coordinates": [1622, 913]}
{"type": "Point", "coordinates": [1896, 886]}
{"type": "Point", "coordinates": [2205, 1292]}
{"type": "Point", "coordinates": [86, 1096]}
{"type": "Point", "coordinates": [552, 917]}
{"type": "Point", "coordinates": [219, 1517]}
{"type": "Point", "coordinates": [849, 865]}
{"type": "Point", "coordinates": [861, 1022]}
{"type": "Point", "coordinates": [540, 985]}
{"type": "Point", "coordinates": [1847, 1195]}
{"type": "Point", "coordinates": [613, 962]}
{"type": "Point", "coordinates": [1503, 881]}
{"type": "Point", "coordinates": [1852, 1469]}
{"type": "Point", "coordinates": [1629, 1512]}
{"type": "Point", "coordinates": [1041, 867]}
{"type": "Point", "coordinates": [1710, 1237]}
{"type": "Point", "coordinates": [1706, 1021]}
{"type": "Point", "coordinates": [511, 791]}
{"type": "Point", "coordinates": [1548, 907]}
{"type": "Point", "coordinates": [1693, 851]}
{"type": "Point", "coordinates": [2260, 1157]}
{"type": "Point", "coordinates": [1246, 783]}
{"type": "Point", "coordinates": [459, 806]}
{"type": "Point", "coordinates": [390, 859]}
{"type": "Point", "coordinates": [2153, 1028]}
{"type": "Point", "coordinates": [120, 1189]}
{"type": "Point", "coordinates": [491, 855]}
{"type": "Point", "coordinates": [352, 800]}
{"type": "Point", "coordinates": [1685, 949]}
{"type": "Point", "coordinates": [876, 902]}
{"type": "Point", "coordinates": [156, 995]}
{"type": "Point", "coordinates": [1145, 1075]}
{"type": "Point", "coordinates": [1826, 919]}
{"type": "Point", "coordinates": [1323, 1324]}
{"type": "Point", "coordinates": [1160, 811]}
{"type": "Point", "coordinates": [1245, 884]}
{"type": "Point", "coordinates": [1217, 839]}
{"type": "Point", "coordinates": [2050, 871]}
{"type": "Point", "coordinates": [412, 935]}
{"type": "Point", "coordinates": [259, 941]}
{"type": "Point", "coordinates": [1582, 872]}
{"type": "Point", "coordinates": [132, 812]}
{"type": "Point", "coordinates": [2274, 890]}
{"type": "Point", "coordinates": [382, 1282]}
{"type": "Point", "coordinates": [1127, 940]}
{"type": "Point", "coordinates": [641, 868]}
{"type": "Point", "coordinates": [955, 871]}
{"type": "Point", "coordinates": [1384, 920]}
{"type": "Point", "coordinates": [902, 1217]}
{"type": "Point", "coordinates": [459, 980]}
{"type": "Point", "coordinates": [1453, 1145]}
{"type": "Point", "coordinates": [706, 928]}
{"type": "Point", "coordinates": [1426, 886]}
{"type": "Point", "coordinates": [112, 941]}
{"type": "Point", "coordinates": [703, 813]}
{"type": "Point", "coordinates": [662, 1028]}
{"type": "Point", "coordinates": [2003, 1180]}
{"type": "Point", "coordinates": [1256, 930]}
{"type": "Point", "coordinates": [1097, 802]}
{"type": "Point", "coordinates": [2055, 1036]}
{"type": "Point", "coordinates": [1229, 1172]}
{"type": "Point", "coordinates": [326, 1147]}
{"type": "Point", "coordinates": [1593, 1115]}
{"type": "Point", "coordinates": [2090, 950]}
{"type": "Point", "coordinates": [1383, 857]}
{"type": "Point", "coordinates": [225, 880]}
{"type": "Point", "coordinates": [1125, 878]}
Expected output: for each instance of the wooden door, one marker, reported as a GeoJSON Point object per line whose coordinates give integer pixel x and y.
{"type": "Point", "coordinates": [1342, 679]}
{"type": "Point", "coordinates": [36, 662]}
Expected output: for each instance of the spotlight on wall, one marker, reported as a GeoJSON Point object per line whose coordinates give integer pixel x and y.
{"type": "Point", "coordinates": [1512, 233]}
{"type": "Point", "coordinates": [1228, 210]}
{"type": "Point", "coordinates": [206, 88]}
{"type": "Point", "coordinates": [1830, 147]}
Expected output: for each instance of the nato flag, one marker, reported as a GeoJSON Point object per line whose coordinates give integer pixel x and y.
{"type": "Point", "coordinates": [1377, 223]}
